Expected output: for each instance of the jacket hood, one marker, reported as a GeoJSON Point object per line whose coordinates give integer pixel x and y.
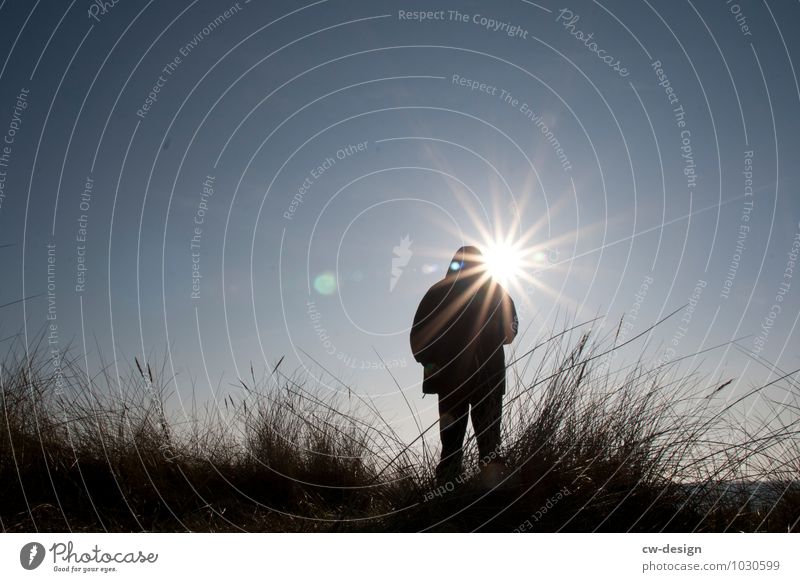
{"type": "Point", "coordinates": [467, 261]}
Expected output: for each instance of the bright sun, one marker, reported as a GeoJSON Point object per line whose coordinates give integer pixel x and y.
{"type": "Point", "coordinates": [503, 262]}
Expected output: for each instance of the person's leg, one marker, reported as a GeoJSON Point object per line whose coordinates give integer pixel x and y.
{"type": "Point", "coordinates": [486, 413]}
{"type": "Point", "coordinates": [453, 411]}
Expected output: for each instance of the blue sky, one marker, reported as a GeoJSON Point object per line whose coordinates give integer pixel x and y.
{"type": "Point", "coordinates": [613, 137]}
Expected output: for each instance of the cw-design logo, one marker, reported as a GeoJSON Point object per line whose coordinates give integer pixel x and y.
{"type": "Point", "coordinates": [402, 254]}
{"type": "Point", "coordinates": [31, 555]}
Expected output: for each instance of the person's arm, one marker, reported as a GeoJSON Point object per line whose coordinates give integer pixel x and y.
{"type": "Point", "coordinates": [510, 321]}
{"type": "Point", "coordinates": [419, 330]}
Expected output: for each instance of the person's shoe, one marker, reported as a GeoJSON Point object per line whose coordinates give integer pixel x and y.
{"type": "Point", "coordinates": [492, 475]}
{"type": "Point", "coordinates": [447, 474]}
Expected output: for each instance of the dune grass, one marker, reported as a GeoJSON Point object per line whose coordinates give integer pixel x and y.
{"type": "Point", "coordinates": [586, 448]}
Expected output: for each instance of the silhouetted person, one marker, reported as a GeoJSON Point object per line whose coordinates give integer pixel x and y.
{"type": "Point", "coordinates": [459, 331]}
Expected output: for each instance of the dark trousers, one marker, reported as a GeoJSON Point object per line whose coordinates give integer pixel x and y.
{"type": "Point", "coordinates": [485, 408]}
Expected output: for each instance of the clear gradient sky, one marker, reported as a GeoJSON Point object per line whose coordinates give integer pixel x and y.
{"type": "Point", "coordinates": [228, 183]}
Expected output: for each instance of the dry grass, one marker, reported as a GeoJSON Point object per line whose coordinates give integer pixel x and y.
{"type": "Point", "coordinates": [637, 449]}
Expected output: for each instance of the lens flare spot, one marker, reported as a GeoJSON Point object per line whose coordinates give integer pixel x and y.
{"type": "Point", "coordinates": [428, 268]}
{"type": "Point", "coordinates": [325, 283]}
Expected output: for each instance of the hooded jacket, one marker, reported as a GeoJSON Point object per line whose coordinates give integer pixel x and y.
{"type": "Point", "coordinates": [460, 328]}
